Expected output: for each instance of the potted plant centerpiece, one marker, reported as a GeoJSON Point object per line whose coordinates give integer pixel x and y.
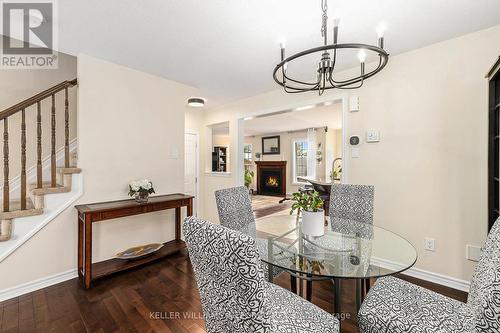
{"type": "Point", "coordinates": [140, 190]}
{"type": "Point", "coordinates": [313, 216]}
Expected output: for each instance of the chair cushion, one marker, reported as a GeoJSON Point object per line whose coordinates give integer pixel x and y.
{"type": "Point", "coordinates": [292, 314]}
{"type": "Point", "coordinates": [397, 306]}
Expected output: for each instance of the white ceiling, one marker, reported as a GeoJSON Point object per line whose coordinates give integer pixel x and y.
{"type": "Point", "coordinates": [322, 116]}
{"type": "Point", "coordinates": [228, 48]}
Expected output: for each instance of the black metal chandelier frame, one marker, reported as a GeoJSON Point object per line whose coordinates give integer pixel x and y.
{"type": "Point", "coordinates": [327, 64]}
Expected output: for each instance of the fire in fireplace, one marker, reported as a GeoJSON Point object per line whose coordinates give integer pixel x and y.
{"type": "Point", "coordinates": [272, 181]}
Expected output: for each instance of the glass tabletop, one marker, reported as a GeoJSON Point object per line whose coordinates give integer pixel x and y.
{"type": "Point", "coordinates": [348, 249]}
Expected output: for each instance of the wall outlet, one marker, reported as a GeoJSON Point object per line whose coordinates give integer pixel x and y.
{"type": "Point", "coordinates": [430, 244]}
{"type": "Point", "coordinates": [472, 252]}
{"type": "Point", "coordinates": [354, 152]}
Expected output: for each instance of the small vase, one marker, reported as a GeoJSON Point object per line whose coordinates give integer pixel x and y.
{"type": "Point", "coordinates": [313, 223]}
{"type": "Point", "coordinates": [141, 197]}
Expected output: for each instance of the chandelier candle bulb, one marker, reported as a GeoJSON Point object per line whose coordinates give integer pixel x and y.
{"type": "Point", "coordinates": [362, 56]}
{"type": "Point", "coordinates": [381, 30]}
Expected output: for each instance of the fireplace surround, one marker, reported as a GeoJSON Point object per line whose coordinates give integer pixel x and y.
{"type": "Point", "coordinates": [271, 178]}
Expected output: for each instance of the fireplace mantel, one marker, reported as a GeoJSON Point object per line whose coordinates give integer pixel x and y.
{"type": "Point", "coordinates": [278, 167]}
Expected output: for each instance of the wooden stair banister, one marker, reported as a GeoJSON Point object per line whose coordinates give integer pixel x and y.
{"type": "Point", "coordinates": [36, 98]}
{"type": "Point", "coordinates": [22, 108]}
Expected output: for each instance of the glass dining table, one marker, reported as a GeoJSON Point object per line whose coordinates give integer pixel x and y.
{"type": "Point", "coordinates": [348, 250]}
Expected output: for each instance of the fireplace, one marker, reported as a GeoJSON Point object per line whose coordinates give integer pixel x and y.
{"type": "Point", "coordinates": [271, 178]}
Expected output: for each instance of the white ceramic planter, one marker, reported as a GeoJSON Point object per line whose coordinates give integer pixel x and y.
{"type": "Point", "coordinates": [313, 223]}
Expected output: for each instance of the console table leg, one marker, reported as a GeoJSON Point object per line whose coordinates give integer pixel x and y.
{"type": "Point", "coordinates": [190, 208]}
{"type": "Point", "coordinates": [80, 248]}
{"type": "Point", "coordinates": [177, 223]}
{"type": "Point", "coordinates": [88, 252]}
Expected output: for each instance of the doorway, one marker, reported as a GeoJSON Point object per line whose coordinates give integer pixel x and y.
{"type": "Point", "coordinates": [308, 140]}
{"type": "Point", "coordinates": [191, 168]}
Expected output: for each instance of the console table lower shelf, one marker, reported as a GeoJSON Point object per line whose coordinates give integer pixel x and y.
{"type": "Point", "coordinates": [107, 267]}
{"type": "Point", "coordinates": [101, 211]}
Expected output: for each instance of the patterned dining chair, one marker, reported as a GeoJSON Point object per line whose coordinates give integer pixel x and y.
{"type": "Point", "coordinates": [352, 202]}
{"type": "Point", "coordinates": [394, 305]}
{"type": "Point", "coordinates": [234, 294]}
{"type": "Point", "coordinates": [235, 207]}
{"type": "Point", "coordinates": [235, 212]}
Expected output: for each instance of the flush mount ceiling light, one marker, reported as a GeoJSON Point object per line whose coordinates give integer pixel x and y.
{"type": "Point", "coordinates": [196, 102]}
{"type": "Point", "coordinates": [325, 72]}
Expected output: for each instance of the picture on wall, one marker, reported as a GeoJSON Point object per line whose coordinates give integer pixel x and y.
{"type": "Point", "coordinates": [271, 145]}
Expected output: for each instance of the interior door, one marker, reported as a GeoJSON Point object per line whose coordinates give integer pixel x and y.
{"type": "Point", "coordinates": [191, 168]}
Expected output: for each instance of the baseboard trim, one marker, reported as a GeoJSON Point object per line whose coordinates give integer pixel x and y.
{"type": "Point", "coordinates": [422, 274]}
{"type": "Point", "coordinates": [440, 279]}
{"type": "Point", "coordinates": [29, 287]}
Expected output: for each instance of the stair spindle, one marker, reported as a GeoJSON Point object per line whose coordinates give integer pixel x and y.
{"type": "Point", "coordinates": [53, 182]}
{"type": "Point", "coordinates": [23, 159]}
{"type": "Point", "coordinates": [39, 175]}
{"type": "Point", "coordinates": [6, 191]}
{"type": "Point", "coordinates": [66, 128]}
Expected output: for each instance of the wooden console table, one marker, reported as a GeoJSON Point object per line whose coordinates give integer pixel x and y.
{"type": "Point", "coordinates": [96, 212]}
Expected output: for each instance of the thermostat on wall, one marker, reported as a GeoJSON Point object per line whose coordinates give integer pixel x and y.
{"type": "Point", "coordinates": [354, 140]}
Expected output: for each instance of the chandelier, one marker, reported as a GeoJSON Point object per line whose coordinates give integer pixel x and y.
{"type": "Point", "coordinates": [326, 66]}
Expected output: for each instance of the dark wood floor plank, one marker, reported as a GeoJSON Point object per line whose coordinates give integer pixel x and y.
{"type": "Point", "coordinates": [1, 315]}
{"type": "Point", "coordinates": [26, 314]}
{"type": "Point", "coordinates": [10, 322]}
{"type": "Point", "coordinates": [134, 318]}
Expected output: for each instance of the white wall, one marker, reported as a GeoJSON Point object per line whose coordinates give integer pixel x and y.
{"type": "Point", "coordinates": [131, 125]}
{"type": "Point", "coordinates": [429, 169]}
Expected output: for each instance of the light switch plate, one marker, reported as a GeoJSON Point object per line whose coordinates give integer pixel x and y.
{"type": "Point", "coordinates": [353, 103]}
{"type": "Point", "coordinates": [174, 153]}
{"type": "Point", "coordinates": [372, 135]}
{"type": "Point", "coordinates": [472, 252]}
{"type": "Point", "coordinates": [355, 152]}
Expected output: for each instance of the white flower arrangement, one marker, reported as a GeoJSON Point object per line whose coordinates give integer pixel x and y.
{"type": "Point", "coordinates": [140, 186]}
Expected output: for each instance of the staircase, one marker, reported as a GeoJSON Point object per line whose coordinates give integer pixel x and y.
{"type": "Point", "coordinates": [32, 201]}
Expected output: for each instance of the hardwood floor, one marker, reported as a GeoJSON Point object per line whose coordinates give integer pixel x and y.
{"type": "Point", "coordinates": [160, 297]}
{"type": "Point", "coordinates": [263, 205]}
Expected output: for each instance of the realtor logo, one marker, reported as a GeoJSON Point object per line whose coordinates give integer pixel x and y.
{"type": "Point", "coordinates": [28, 34]}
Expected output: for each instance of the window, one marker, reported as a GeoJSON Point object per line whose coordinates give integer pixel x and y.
{"type": "Point", "coordinates": [247, 154]}
{"type": "Point", "coordinates": [299, 159]}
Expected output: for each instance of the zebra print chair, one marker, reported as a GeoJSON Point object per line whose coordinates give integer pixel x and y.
{"type": "Point", "coordinates": [395, 306]}
{"type": "Point", "coordinates": [234, 295]}
{"type": "Point", "coordinates": [235, 212]}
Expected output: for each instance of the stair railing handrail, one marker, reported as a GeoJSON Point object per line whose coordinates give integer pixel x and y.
{"type": "Point", "coordinates": [37, 98]}
{"type": "Point", "coordinates": [21, 107]}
